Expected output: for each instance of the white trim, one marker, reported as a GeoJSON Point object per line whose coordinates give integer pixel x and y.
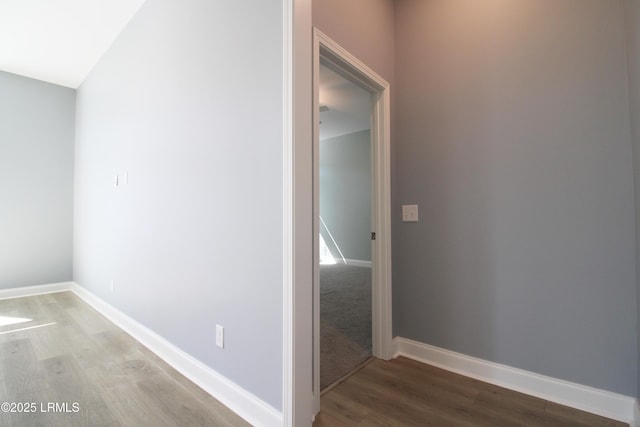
{"type": "Point", "coordinates": [355, 262]}
{"type": "Point", "coordinates": [335, 56]}
{"type": "Point", "coordinates": [316, 221]}
{"type": "Point", "coordinates": [636, 414]}
{"type": "Point", "coordinates": [240, 401]}
{"type": "Point", "coordinates": [596, 401]}
{"type": "Point", "coordinates": [27, 291]}
{"type": "Point", "coordinates": [287, 214]}
{"type": "Point", "coordinates": [359, 263]}
{"type": "Point", "coordinates": [302, 297]}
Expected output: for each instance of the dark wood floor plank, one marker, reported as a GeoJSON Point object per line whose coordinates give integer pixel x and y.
{"type": "Point", "coordinates": [417, 387]}
{"type": "Point", "coordinates": [404, 392]}
{"type": "Point", "coordinates": [575, 415]}
{"type": "Point", "coordinates": [385, 402]}
{"type": "Point", "coordinates": [513, 413]}
{"type": "Point", "coordinates": [347, 411]}
{"type": "Point", "coordinates": [438, 397]}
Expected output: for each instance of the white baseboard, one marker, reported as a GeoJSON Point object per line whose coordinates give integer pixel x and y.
{"type": "Point", "coordinates": [357, 263]}
{"type": "Point", "coordinates": [600, 402]}
{"type": "Point", "coordinates": [27, 291]}
{"type": "Point", "coordinates": [246, 405]}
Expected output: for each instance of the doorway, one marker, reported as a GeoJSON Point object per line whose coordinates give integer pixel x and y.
{"type": "Point", "coordinates": [345, 226]}
{"type": "Point", "coordinates": [330, 57]}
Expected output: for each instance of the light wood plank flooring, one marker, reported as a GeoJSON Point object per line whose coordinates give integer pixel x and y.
{"type": "Point", "coordinates": [62, 351]}
{"type": "Point", "coordinates": [403, 392]}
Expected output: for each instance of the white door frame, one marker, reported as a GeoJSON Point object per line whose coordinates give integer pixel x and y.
{"type": "Point", "coordinates": [332, 55]}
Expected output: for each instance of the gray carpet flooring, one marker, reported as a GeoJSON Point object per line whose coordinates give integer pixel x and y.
{"type": "Point", "coordinates": [345, 320]}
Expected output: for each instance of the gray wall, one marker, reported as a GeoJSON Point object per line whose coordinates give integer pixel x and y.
{"type": "Point", "coordinates": [513, 137]}
{"type": "Point", "coordinates": [632, 14]}
{"type": "Point", "coordinates": [363, 27]}
{"type": "Point", "coordinates": [36, 181]}
{"type": "Point", "coordinates": [345, 192]}
{"type": "Point", "coordinates": [195, 238]}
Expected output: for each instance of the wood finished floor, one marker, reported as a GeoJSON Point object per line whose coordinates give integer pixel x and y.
{"type": "Point", "coordinates": [403, 392]}
{"type": "Point", "coordinates": [64, 352]}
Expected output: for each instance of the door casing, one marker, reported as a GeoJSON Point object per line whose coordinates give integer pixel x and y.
{"type": "Point", "coordinates": [329, 53]}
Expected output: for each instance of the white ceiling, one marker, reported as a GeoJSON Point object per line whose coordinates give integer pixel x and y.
{"type": "Point", "coordinates": [349, 105]}
{"type": "Point", "coordinates": [59, 41]}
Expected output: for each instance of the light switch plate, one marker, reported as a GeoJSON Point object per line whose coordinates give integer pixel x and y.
{"type": "Point", "coordinates": [409, 213]}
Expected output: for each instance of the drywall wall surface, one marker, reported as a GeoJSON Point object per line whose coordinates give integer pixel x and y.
{"type": "Point", "coordinates": [186, 109]}
{"type": "Point", "coordinates": [363, 27]}
{"type": "Point", "coordinates": [631, 12]}
{"type": "Point", "coordinates": [37, 122]}
{"type": "Point", "coordinates": [345, 193]}
{"type": "Point", "coordinates": [512, 136]}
